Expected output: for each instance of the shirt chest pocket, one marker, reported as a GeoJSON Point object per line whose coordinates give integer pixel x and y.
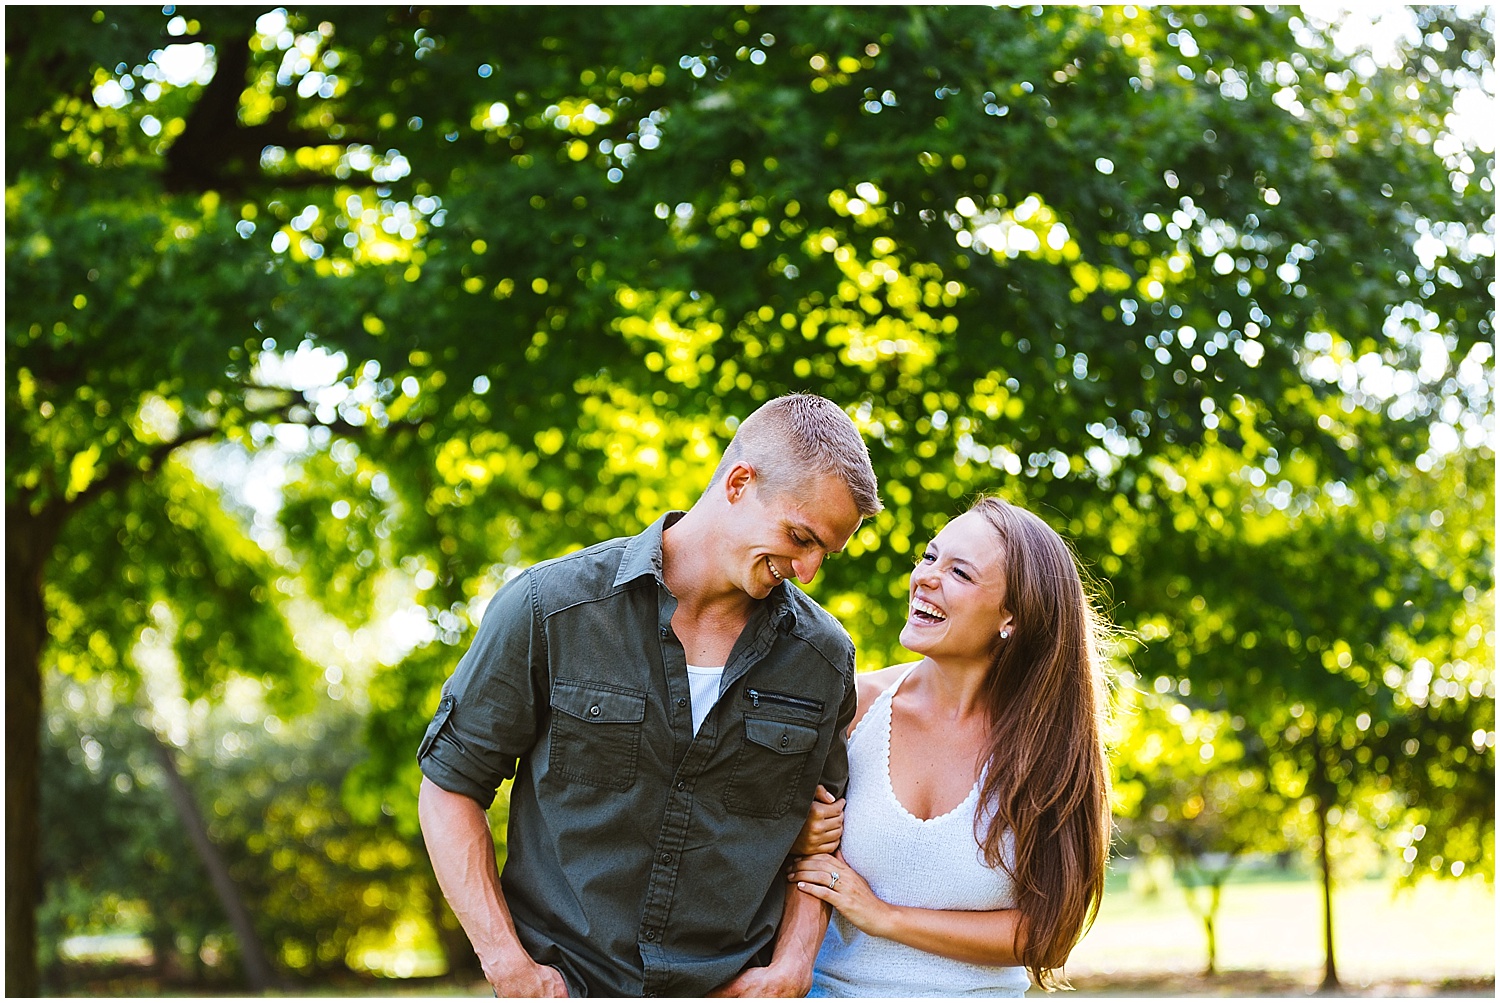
{"type": "Point", "coordinates": [768, 768]}
{"type": "Point", "coordinates": [596, 733]}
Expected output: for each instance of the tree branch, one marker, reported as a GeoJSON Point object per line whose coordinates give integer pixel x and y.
{"type": "Point", "coordinates": [122, 473]}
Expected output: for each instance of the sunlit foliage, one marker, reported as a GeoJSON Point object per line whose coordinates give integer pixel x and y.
{"type": "Point", "coordinates": [446, 291]}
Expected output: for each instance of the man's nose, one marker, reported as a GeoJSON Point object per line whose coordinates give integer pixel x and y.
{"type": "Point", "coordinates": [806, 567]}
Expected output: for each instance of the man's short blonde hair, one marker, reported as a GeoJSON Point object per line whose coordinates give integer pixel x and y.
{"type": "Point", "coordinates": [790, 438]}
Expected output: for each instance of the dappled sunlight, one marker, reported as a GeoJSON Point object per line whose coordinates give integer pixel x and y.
{"type": "Point", "coordinates": [322, 327]}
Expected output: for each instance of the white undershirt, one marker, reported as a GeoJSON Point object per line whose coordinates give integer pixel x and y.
{"type": "Point", "coordinates": [703, 687]}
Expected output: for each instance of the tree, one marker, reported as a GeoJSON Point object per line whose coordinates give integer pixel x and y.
{"type": "Point", "coordinates": [1186, 788]}
{"type": "Point", "coordinates": [1348, 637]}
{"type": "Point", "coordinates": [320, 888]}
{"type": "Point", "coordinates": [557, 258]}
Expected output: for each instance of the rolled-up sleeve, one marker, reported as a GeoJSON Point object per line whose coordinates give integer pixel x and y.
{"type": "Point", "coordinates": [488, 714]}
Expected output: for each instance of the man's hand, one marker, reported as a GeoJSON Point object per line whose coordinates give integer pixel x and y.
{"type": "Point", "coordinates": [772, 981]}
{"type": "Point", "coordinates": [525, 978]}
{"type": "Point", "coordinates": [824, 828]}
{"type": "Point", "coordinates": [463, 858]}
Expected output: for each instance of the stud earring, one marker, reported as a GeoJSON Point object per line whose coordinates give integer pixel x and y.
{"type": "Point", "coordinates": [1004, 635]}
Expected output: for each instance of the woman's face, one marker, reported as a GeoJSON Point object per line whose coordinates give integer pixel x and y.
{"type": "Point", "coordinates": [957, 593]}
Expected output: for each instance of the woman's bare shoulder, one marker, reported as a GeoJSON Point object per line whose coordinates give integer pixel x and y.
{"type": "Point", "coordinates": [871, 684]}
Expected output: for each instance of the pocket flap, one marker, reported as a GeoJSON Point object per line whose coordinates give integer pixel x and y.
{"type": "Point", "coordinates": [778, 736]}
{"type": "Point", "coordinates": [598, 702]}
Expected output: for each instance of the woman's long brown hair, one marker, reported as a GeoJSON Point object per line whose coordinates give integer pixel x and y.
{"type": "Point", "coordinates": [1047, 781]}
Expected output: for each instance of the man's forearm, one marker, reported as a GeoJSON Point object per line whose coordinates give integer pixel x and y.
{"type": "Point", "coordinates": [804, 920]}
{"type": "Point", "coordinates": [462, 850]}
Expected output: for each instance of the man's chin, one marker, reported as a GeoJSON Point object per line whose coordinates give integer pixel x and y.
{"type": "Point", "coordinates": [755, 588]}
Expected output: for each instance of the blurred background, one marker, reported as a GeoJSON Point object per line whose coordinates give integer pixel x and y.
{"type": "Point", "coordinates": [322, 323]}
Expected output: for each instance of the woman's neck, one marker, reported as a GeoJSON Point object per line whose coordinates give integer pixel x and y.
{"type": "Point", "coordinates": [952, 689]}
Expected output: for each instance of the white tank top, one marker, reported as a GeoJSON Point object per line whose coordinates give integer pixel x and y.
{"type": "Point", "coordinates": [931, 863]}
{"type": "Point", "coordinates": [703, 691]}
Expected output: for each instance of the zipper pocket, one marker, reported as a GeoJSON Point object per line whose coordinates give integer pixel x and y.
{"type": "Point", "coordinates": [756, 696]}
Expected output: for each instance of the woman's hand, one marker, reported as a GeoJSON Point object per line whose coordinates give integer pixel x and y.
{"type": "Point", "coordinates": [829, 878]}
{"type": "Point", "coordinates": [824, 827]}
{"type": "Point", "coordinates": [993, 937]}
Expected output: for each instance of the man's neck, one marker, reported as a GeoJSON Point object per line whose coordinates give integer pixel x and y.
{"type": "Point", "coordinates": [688, 549]}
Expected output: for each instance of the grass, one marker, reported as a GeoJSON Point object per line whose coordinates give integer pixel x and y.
{"type": "Point", "coordinates": [1437, 939]}
{"type": "Point", "coordinates": [1438, 932]}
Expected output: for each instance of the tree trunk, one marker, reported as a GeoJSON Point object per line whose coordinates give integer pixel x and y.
{"type": "Point", "coordinates": [1320, 788]}
{"type": "Point", "coordinates": [257, 967]}
{"type": "Point", "coordinates": [28, 542]}
{"type": "Point", "coordinates": [1330, 969]}
{"type": "Point", "coordinates": [1213, 879]}
{"type": "Point", "coordinates": [1208, 927]}
{"type": "Point", "coordinates": [163, 943]}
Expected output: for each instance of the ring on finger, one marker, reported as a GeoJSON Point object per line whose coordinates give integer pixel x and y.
{"type": "Point", "coordinates": [833, 879]}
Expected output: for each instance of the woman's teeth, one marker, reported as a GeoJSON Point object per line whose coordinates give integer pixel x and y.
{"type": "Point", "coordinates": [926, 612]}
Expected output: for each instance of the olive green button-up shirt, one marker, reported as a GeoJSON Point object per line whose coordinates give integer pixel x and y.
{"type": "Point", "coordinates": [642, 859]}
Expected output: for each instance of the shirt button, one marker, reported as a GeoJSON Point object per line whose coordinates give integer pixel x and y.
{"type": "Point", "coordinates": [651, 935]}
{"type": "Point", "coordinates": [664, 632]}
{"type": "Point", "coordinates": [682, 702]}
{"type": "Point", "coordinates": [784, 739]}
{"type": "Point", "coordinates": [594, 712]}
{"type": "Point", "coordinates": [681, 786]}
{"type": "Point", "coordinates": [666, 858]}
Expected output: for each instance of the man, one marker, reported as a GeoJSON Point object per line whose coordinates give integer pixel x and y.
{"type": "Point", "coordinates": [668, 705]}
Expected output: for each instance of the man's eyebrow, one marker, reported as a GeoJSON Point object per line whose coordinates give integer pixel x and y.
{"type": "Point", "coordinates": [807, 530]}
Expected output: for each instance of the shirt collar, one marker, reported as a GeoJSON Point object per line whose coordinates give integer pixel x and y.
{"type": "Point", "coordinates": [783, 611]}
{"type": "Point", "coordinates": [643, 557]}
{"type": "Point", "coordinates": [643, 552]}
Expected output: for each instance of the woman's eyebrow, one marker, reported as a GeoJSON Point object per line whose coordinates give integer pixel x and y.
{"type": "Point", "coordinates": [969, 566]}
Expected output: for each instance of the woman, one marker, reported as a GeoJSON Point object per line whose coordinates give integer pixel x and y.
{"type": "Point", "coordinates": [977, 824]}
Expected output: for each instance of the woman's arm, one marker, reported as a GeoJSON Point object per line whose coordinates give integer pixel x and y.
{"type": "Point", "coordinates": [980, 938]}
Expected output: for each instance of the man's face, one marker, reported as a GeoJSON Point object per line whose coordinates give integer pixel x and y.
{"type": "Point", "coordinates": [774, 535]}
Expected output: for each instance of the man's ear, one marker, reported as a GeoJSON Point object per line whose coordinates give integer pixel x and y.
{"type": "Point", "coordinates": [737, 480]}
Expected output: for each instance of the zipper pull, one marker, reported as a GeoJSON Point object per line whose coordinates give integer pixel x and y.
{"type": "Point", "coordinates": [754, 696]}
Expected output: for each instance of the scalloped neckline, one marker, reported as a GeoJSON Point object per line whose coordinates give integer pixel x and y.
{"type": "Point", "coordinates": [890, 786]}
